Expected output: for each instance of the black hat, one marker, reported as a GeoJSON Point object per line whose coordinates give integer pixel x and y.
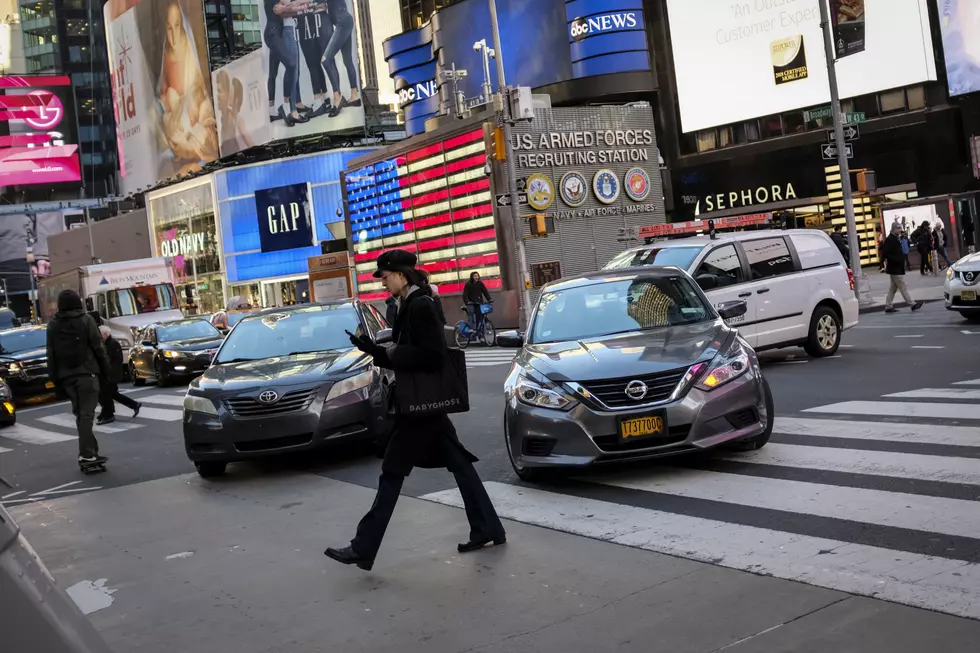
{"type": "Point", "coordinates": [396, 260]}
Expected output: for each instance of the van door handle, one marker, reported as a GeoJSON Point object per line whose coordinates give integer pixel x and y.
{"type": "Point", "coordinates": [763, 291]}
{"type": "Point", "coordinates": [745, 294]}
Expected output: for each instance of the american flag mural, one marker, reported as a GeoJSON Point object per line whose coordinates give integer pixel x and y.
{"type": "Point", "coordinates": [434, 201]}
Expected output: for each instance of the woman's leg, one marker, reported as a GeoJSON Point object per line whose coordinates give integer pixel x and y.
{"type": "Point", "coordinates": [346, 53]}
{"type": "Point", "coordinates": [290, 82]}
{"type": "Point", "coordinates": [342, 32]}
{"type": "Point", "coordinates": [372, 527]}
{"type": "Point", "coordinates": [274, 41]}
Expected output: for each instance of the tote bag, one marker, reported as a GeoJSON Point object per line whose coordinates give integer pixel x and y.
{"type": "Point", "coordinates": [421, 394]}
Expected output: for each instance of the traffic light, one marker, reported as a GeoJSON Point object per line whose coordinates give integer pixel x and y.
{"type": "Point", "coordinates": [499, 144]}
{"type": "Point", "coordinates": [541, 224]}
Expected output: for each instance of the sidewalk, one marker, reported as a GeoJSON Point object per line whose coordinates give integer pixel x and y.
{"type": "Point", "coordinates": [924, 289]}
{"type": "Point", "coordinates": [237, 565]}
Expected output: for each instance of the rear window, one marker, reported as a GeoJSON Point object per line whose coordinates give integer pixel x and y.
{"type": "Point", "coordinates": [816, 251]}
{"type": "Point", "coordinates": [681, 256]}
{"type": "Point", "coordinates": [768, 257]}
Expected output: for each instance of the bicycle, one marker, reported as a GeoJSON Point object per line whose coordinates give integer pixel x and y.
{"type": "Point", "coordinates": [465, 334]}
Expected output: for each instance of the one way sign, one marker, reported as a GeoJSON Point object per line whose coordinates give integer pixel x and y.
{"type": "Point", "coordinates": [503, 199]}
{"type": "Point", "coordinates": [830, 151]}
{"type": "Point", "coordinates": [851, 133]}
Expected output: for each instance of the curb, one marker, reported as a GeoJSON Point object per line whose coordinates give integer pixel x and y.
{"type": "Point", "coordinates": [880, 308]}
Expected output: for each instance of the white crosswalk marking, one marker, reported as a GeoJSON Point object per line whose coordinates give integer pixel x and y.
{"type": "Point", "coordinates": [163, 400]}
{"type": "Point", "coordinates": [489, 357]}
{"type": "Point", "coordinates": [30, 435]}
{"type": "Point", "coordinates": [161, 414]}
{"type": "Point", "coordinates": [973, 382]}
{"type": "Point", "coordinates": [859, 496]}
{"type": "Point", "coordinates": [5, 450]}
{"type": "Point", "coordinates": [68, 421]}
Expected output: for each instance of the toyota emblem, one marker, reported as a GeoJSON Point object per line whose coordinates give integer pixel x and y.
{"type": "Point", "coordinates": [636, 390]}
{"type": "Point", "coordinates": [269, 397]}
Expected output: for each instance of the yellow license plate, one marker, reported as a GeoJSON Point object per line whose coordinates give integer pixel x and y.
{"type": "Point", "coordinates": [968, 295]}
{"type": "Point", "coordinates": [49, 385]}
{"type": "Point", "coordinates": [641, 427]}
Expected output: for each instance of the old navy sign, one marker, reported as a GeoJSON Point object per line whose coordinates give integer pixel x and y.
{"type": "Point", "coordinates": [581, 28]}
{"type": "Point", "coordinates": [285, 216]}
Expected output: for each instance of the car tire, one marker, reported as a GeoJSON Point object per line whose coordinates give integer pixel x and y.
{"type": "Point", "coordinates": [13, 421]}
{"type": "Point", "coordinates": [757, 442]}
{"type": "Point", "coordinates": [211, 468]}
{"type": "Point", "coordinates": [970, 317]}
{"type": "Point", "coordinates": [823, 338]}
{"type": "Point", "coordinates": [163, 379]}
{"type": "Point", "coordinates": [137, 380]}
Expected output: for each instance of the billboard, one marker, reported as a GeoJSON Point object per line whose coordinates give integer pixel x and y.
{"type": "Point", "coordinates": [241, 103]}
{"type": "Point", "coordinates": [38, 136]}
{"type": "Point", "coordinates": [285, 217]}
{"type": "Point", "coordinates": [724, 51]}
{"type": "Point", "coordinates": [161, 88]}
{"type": "Point", "coordinates": [959, 21]}
{"type": "Point", "coordinates": [14, 231]}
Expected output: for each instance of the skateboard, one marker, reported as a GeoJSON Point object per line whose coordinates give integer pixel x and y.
{"type": "Point", "coordinates": [92, 467]}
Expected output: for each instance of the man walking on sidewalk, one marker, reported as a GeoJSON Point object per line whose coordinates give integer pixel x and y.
{"type": "Point", "coordinates": [894, 259]}
{"type": "Point", "coordinates": [76, 361]}
{"type": "Point", "coordinates": [109, 385]}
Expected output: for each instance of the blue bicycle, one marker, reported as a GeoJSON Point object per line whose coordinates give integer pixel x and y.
{"type": "Point", "coordinates": [465, 334]}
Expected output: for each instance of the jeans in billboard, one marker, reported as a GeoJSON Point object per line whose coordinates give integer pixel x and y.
{"type": "Point", "coordinates": [284, 50]}
{"type": "Point", "coordinates": [341, 41]}
{"type": "Point", "coordinates": [314, 35]}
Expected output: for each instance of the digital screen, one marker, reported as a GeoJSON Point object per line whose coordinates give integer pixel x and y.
{"type": "Point", "coordinates": [38, 141]}
{"type": "Point", "coordinates": [960, 24]}
{"type": "Point", "coordinates": [434, 201]}
{"type": "Point", "coordinates": [770, 56]}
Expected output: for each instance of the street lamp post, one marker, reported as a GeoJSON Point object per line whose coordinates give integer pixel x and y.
{"type": "Point", "coordinates": [488, 54]}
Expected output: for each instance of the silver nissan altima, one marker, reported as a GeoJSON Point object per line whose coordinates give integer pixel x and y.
{"type": "Point", "coordinates": [628, 365]}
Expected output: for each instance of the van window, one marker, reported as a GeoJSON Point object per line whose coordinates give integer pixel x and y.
{"type": "Point", "coordinates": [723, 264]}
{"type": "Point", "coordinates": [678, 255]}
{"type": "Point", "coordinates": [768, 257]}
{"type": "Point", "coordinates": [815, 251]}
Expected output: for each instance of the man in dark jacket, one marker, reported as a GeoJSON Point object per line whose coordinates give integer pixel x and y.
{"type": "Point", "coordinates": [76, 360]}
{"type": "Point", "coordinates": [924, 244]}
{"type": "Point", "coordinates": [894, 259]}
{"type": "Point", "coordinates": [428, 441]}
{"type": "Point", "coordinates": [109, 385]}
{"type": "Point", "coordinates": [475, 294]}
{"type": "Point", "coordinates": [391, 310]}
{"type": "Point", "coordinates": [841, 243]}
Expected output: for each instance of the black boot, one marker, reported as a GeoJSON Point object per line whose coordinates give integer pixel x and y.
{"type": "Point", "coordinates": [347, 556]}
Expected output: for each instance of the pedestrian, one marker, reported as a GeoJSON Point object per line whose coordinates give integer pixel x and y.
{"type": "Point", "coordinates": [76, 360]}
{"type": "Point", "coordinates": [437, 298]}
{"type": "Point", "coordinates": [391, 310]}
{"type": "Point", "coordinates": [906, 248]}
{"type": "Point", "coordinates": [922, 237]}
{"type": "Point", "coordinates": [841, 243]}
{"type": "Point", "coordinates": [109, 384]}
{"type": "Point", "coordinates": [939, 237]}
{"type": "Point", "coordinates": [428, 441]}
{"type": "Point", "coordinates": [895, 269]}
{"type": "Point", "coordinates": [475, 294]}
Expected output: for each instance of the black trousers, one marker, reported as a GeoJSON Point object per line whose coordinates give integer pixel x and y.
{"type": "Point", "coordinates": [484, 522]}
{"type": "Point", "coordinates": [83, 392]}
{"type": "Point", "coordinates": [108, 394]}
{"type": "Point", "coordinates": [924, 267]}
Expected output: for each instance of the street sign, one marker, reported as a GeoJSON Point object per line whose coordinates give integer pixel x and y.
{"type": "Point", "coordinates": [851, 133]}
{"type": "Point", "coordinates": [817, 114]}
{"type": "Point", "coordinates": [821, 113]}
{"type": "Point", "coordinates": [854, 118]}
{"type": "Point", "coordinates": [829, 151]}
{"type": "Point", "coordinates": [503, 199]}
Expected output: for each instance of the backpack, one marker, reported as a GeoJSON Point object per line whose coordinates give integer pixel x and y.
{"type": "Point", "coordinates": [69, 341]}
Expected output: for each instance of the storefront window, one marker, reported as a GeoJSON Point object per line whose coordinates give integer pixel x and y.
{"type": "Point", "coordinates": [916, 97]}
{"type": "Point", "coordinates": [772, 127]}
{"type": "Point", "coordinates": [892, 101]}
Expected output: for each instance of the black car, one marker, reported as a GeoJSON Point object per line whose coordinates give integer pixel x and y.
{"type": "Point", "coordinates": [287, 380]}
{"type": "Point", "coordinates": [170, 350]}
{"type": "Point", "coordinates": [24, 361]}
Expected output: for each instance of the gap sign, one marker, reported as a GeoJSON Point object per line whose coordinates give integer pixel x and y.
{"type": "Point", "coordinates": [285, 216]}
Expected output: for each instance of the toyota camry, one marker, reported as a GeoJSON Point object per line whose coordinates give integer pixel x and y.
{"type": "Point", "coordinates": [626, 365]}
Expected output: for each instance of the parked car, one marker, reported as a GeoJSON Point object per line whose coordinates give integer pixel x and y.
{"type": "Point", "coordinates": [166, 351]}
{"type": "Point", "coordinates": [7, 319]}
{"type": "Point", "coordinates": [287, 380]}
{"type": "Point", "coordinates": [627, 365]}
{"type": "Point", "coordinates": [24, 361]}
{"type": "Point", "coordinates": [961, 287]}
{"type": "Point", "coordinates": [8, 411]}
{"type": "Point", "coordinates": [797, 288]}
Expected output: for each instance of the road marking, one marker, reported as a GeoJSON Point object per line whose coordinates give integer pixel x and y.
{"type": "Point", "coordinates": [53, 404]}
{"type": "Point", "coordinates": [788, 362]}
{"type": "Point", "coordinates": [918, 336]}
{"type": "Point", "coordinates": [55, 488]}
{"type": "Point", "coordinates": [31, 435]}
{"type": "Point", "coordinates": [962, 436]}
{"type": "Point", "coordinates": [847, 346]}
{"type": "Point", "coordinates": [973, 382]}
{"type": "Point", "coordinates": [937, 393]}
{"type": "Point", "coordinates": [12, 494]}
{"type": "Point", "coordinates": [5, 450]}
{"type": "Point", "coordinates": [165, 400]}
{"type": "Point", "coordinates": [73, 489]}
{"type": "Point", "coordinates": [927, 347]}
{"type": "Point", "coordinates": [912, 579]}
{"type": "Point", "coordinates": [161, 414]}
{"type": "Point", "coordinates": [68, 421]}
{"type": "Point", "coordinates": [878, 463]}
{"type": "Point", "coordinates": [971, 333]}
{"type": "Point", "coordinates": [901, 409]}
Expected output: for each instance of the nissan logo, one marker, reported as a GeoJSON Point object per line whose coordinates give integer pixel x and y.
{"type": "Point", "coordinates": [636, 390]}
{"type": "Point", "coordinates": [968, 276]}
{"type": "Point", "coordinates": [271, 396]}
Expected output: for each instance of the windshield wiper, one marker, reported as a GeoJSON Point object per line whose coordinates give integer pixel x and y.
{"type": "Point", "coordinates": [236, 360]}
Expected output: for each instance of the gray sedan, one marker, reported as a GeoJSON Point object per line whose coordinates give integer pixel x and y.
{"type": "Point", "coordinates": [627, 365]}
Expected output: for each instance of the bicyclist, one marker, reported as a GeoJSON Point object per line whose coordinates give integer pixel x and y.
{"type": "Point", "coordinates": [474, 294]}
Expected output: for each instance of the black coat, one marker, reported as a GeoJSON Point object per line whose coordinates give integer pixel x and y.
{"type": "Point", "coordinates": [923, 239]}
{"type": "Point", "coordinates": [420, 346]}
{"type": "Point", "coordinates": [114, 350]}
{"type": "Point", "coordinates": [475, 293]}
{"type": "Point", "coordinates": [894, 255]}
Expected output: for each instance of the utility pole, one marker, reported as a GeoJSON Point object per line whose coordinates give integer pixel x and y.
{"type": "Point", "coordinates": [862, 287]}
{"type": "Point", "coordinates": [488, 54]}
{"type": "Point", "coordinates": [454, 76]}
{"type": "Point", "coordinates": [515, 208]}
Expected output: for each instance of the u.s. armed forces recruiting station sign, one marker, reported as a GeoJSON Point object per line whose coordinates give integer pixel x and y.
{"type": "Point", "coordinates": [596, 171]}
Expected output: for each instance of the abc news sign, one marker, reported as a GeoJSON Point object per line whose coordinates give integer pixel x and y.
{"type": "Point", "coordinates": [581, 28]}
{"type": "Point", "coordinates": [414, 92]}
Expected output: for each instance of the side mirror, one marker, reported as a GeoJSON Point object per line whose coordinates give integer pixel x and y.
{"type": "Point", "coordinates": [511, 339]}
{"type": "Point", "coordinates": [382, 337]}
{"type": "Point", "coordinates": [707, 281]}
{"type": "Point", "coordinates": [730, 310]}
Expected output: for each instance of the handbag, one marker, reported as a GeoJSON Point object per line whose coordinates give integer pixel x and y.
{"type": "Point", "coordinates": [421, 394]}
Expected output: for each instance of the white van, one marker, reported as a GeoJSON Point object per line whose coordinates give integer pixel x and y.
{"type": "Point", "coordinates": [796, 284]}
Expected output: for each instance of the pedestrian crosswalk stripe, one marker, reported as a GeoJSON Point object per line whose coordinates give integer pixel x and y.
{"type": "Point", "coordinates": [68, 421]}
{"type": "Point", "coordinates": [5, 450]}
{"type": "Point", "coordinates": [901, 409]}
{"type": "Point", "coordinates": [961, 436]}
{"type": "Point", "coordinates": [973, 382]}
{"type": "Point", "coordinates": [879, 463]}
{"type": "Point", "coordinates": [31, 435]}
{"type": "Point", "coordinates": [897, 510]}
{"type": "Point", "coordinates": [489, 357]}
{"type": "Point", "coordinates": [165, 400]}
{"type": "Point", "coordinates": [913, 579]}
{"type": "Point", "coordinates": [161, 414]}
{"type": "Point", "coordinates": [937, 393]}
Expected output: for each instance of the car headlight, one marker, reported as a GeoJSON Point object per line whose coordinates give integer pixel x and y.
{"type": "Point", "coordinates": [725, 367]}
{"type": "Point", "coordinates": [949, 273]}
{"type": "Point", "coordinates": [351, 384]}
{"type": "Point", "coordinates": [541, 395]}
{"type": "Point", "coordinates": [199, 405]}
{"type": "Point", "coordinates": [14, 368]}
{"type": "Point", "coordinates": [174, 354]}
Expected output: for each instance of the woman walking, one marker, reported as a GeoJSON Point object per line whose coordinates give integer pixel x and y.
{"type": "Point", "coordinates": [429, 441]}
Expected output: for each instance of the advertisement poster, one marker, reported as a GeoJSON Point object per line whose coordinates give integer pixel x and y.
{"type": "Point", "coordinates": [14, 230]}
{"type": "Point", "coordinates": [161, 87]}
{"type": "Point", "coordinates": [960, 24]}
{"type": "Point", "coordinates": [311, 67]}
{"type": "Point", "coordinates": [285, 217]}
{"type": "Point", "coordinates": [241, 103]}
{"type": "Point", "coordinates": [789, 59]}
{"type": "Point", "coordinates": [847, 17]}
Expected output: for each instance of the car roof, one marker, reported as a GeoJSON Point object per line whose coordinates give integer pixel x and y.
{"type": "Point", "coordinates": [32, 327]}
{"type": "Point", "coordinates": [722, 238]}
{"type": "Point", "coordinates": [299, 307]}
{"type": "Point", "coordinates": [601, 276]}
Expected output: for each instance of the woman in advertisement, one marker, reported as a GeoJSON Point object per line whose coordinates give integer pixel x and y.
{"type": "Point", "coordinates": [233, 130]}
{"type": "Point", "coordinates": [341, 41]}
{"type": "Point", "coordinates": [315, 31]}
{"type": "Point", "coordinates": [280, 37]}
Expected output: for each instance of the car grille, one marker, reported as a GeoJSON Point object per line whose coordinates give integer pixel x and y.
{"type": "Point", "coordinates": [291, 402]}
{"type": "Point", "coordinates": [274, 443]}
{"type": "Point", "coordinates": [743, 419]}
{"type": "Point", "coordinates": [612, 392]}
{"type": "Point", "coordinates": [612, 443]}
{"type": "Point", "coordinates": [35, 368]}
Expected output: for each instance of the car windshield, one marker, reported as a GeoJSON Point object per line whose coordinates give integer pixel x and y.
{"type": "Point", "coordinates": [235, 318]}
{"type": "Point", "coordinates": [139, 300]}
{"type": "Point", "coordinates": [14, 341]}
{"type": "Point", "coordinates": [617, 305]}
{"type": "Point", "coordinates": [300, 331]}
{"type": "Point", "coordinates": [681, 256]}
{"type": "Point", "coordinates": [185, 330]}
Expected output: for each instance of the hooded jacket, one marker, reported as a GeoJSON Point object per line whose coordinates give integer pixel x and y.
{"type": "Point", "coordinates": [86, 356]}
